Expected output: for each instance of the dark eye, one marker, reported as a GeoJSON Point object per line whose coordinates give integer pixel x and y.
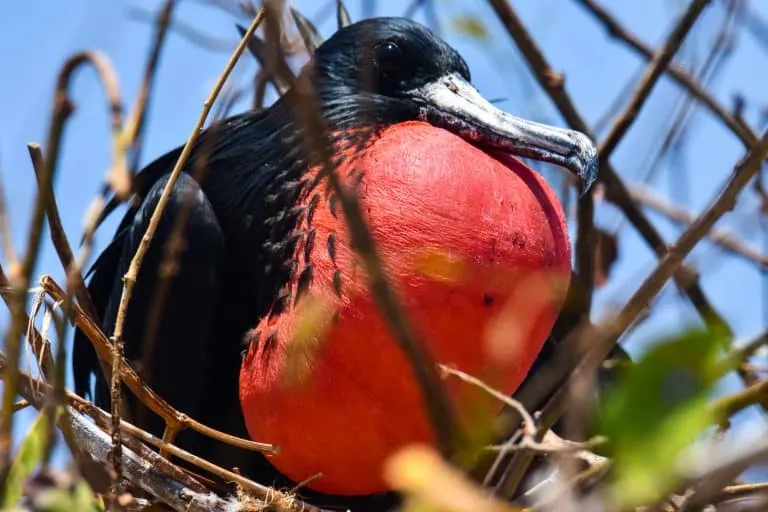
{"type": "Point", "coordinates": [389, 56]}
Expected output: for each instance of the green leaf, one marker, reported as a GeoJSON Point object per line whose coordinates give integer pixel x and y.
{"type": "Point", "coordinates": [471, 26]}
{"type": "Point", "coordinates": [658, 408]}
{"type": "Point", "coordinates": [27, 458]}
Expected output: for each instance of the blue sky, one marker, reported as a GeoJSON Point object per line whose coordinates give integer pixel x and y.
{"type": "Point", "coordinates": [38, 35]}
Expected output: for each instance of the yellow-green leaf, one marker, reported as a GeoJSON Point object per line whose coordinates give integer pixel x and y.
{"type": "Point", "coordinates": [471, 26]}
{"type": "Point", "coordinates": [27, 458]}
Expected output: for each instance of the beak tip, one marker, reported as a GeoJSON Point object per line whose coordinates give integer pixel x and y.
{"type": "Point", "coordinates": [588, 162]}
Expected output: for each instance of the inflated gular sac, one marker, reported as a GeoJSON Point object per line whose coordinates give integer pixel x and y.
{"type": "Point", "coordinates": [477, 248]}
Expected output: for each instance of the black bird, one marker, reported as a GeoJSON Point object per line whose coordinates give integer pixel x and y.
{"type": "Point", "coordinates": [264, 244]}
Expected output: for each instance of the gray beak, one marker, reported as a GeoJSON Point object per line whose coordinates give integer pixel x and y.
{"type": "Point", "coordinates": [454, 104]}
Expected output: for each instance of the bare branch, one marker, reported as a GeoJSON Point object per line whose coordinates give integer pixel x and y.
{"type": "Point", "coordinates": [721, 237]}
{"type": "Point", "coordinates": [616, 30]}
{"type": "Point", "coordinates": [653, 72]}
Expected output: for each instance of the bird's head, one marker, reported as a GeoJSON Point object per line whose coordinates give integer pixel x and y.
{"type": "Point", "coordinates": [391, 70]}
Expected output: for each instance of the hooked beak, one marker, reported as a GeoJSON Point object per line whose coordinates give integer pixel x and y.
{"type": "Point", "coordinates": [454, 104]}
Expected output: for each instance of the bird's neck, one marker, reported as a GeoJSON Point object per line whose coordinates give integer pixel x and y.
{"type": "Point", "coordinates": [263, 177]}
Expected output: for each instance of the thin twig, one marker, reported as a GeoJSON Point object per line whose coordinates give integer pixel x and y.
{"type": "Point", "coordinates": [40, 346]}
{"type": "Point", "coordinates": [59, 238]}
{"type": "Point", "coordinates": [185, 30]}
{"type": "Point", "coordinates": [529, 425]}
{"type": "Point", "coordinates": [603, 337]}
{"type": "Point", "coordinates": [616, 30]}
{"type": "Point", "coordinates": [35, 391]}
{"type": "Point", "coordinates": [5, 232]}
{"type": "Point", "coordinates": [74, 280]}
{"type": "Point", "coordinates": [741, 490]}
{"type": "Point", "coordinates": [725, 407]}
{"type": "Point", "coordinates": [723, 203]}
{"type": "Point", "coordinates": [708, 480]}
{"type": "Point", "coordinates": [743, 353]}
{"type": "Point", "coordinates": [653, 72]}
{"type": "Point", "coordinates": [129, 280]}
{"type": "Point", "coordinates": [711, 66]}
{"type": "Point", "coordinates": [134, 126]}
{"type": "Point", "coordinates": [721, 237]}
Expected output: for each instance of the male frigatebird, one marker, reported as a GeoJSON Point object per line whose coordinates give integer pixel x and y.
{"type": "Point", "coordinates": [463, 228]}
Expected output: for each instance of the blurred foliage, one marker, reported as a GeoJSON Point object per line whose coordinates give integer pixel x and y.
{"type": "Point", "coordinates": [430, 484]}
{"type": "Point", "coordinates": [77, 497]}
{"type": "Point", "coordinates": [471, 26]}
{"type": "Point", "coordinates": [27, 458]}
{"type": "Point", "coordinates": [657, 410]}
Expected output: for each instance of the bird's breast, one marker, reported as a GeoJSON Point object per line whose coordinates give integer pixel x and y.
{"type": "Point", "coordinates": [478, 252]}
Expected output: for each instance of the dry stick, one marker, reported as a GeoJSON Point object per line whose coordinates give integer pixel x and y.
{"type": "Point", "coordinates": [148, 471]}
{"type": "Point", "coordinates": [438, 407]}
{"type": "Point", "coordinates": [134, 128]}
{"type": "Point", "coordinates": [263, 492]}
{"type": "Point", "coordinates": [723, 408]}
{"type": "Point", "coordinates": [5, 232]}
{"type": "Point", "coordinates": [20, 280]}
{"type": "Point", "coordinates": [21, 405]}
{"type": "Point", "coordinates": [342, 15]}
{"type": "Point", "coordinates": [721, 237]}
{"type": "Point", "coordinates": [74, 283]}
{"type": "Point", "coordinates": [271, 497]}
{"type": "Point", "coordinates": [743, 353]}
{"type": "Point", "coordinates": [602, 338]}
{"type": "Point", "coordinates": [119, 178]}
{"type": "Point", "coordinates": [585, 245]}
{"type": "Point", "coordinates": [653, 72]}
{"type": "Point", "coordinates": [40, 346]}
{"type": "Point", "coordinates": [710, 482]}
{"type": "Point", "coordinates": [185, 30]}
{"type": "Point", "coordinates": [109, 82]}
{"type": "Point", "coordinates": [650, 77]}
{"type": "Point", "coordinates": [129, 280]}
{"type": "Point", "coordinates": [711, 66]}
{"type": "Point", "coordinates": [617, 193]}
{"type": "Point", "coordinates": [660, 61]}
{"type": "Point", "coordinates": [529, 425]}
{"type": "Point", "coordinates": [59, 238]}
{"type": "Point", "coordinates": [74, 280]}
{"type": "Point", "coordinates": [616, 30]}
{"type": "Point", "coordinates": [143, 392]}
{"type": "Point", "coordinates": [739, 491]}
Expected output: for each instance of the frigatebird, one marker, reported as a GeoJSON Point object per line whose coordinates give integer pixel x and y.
{"type": "Point", "coordinates": [463, 226]}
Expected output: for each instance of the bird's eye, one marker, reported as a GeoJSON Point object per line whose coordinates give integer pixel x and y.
{"type": "Point", "coordinates": [389, 56]}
